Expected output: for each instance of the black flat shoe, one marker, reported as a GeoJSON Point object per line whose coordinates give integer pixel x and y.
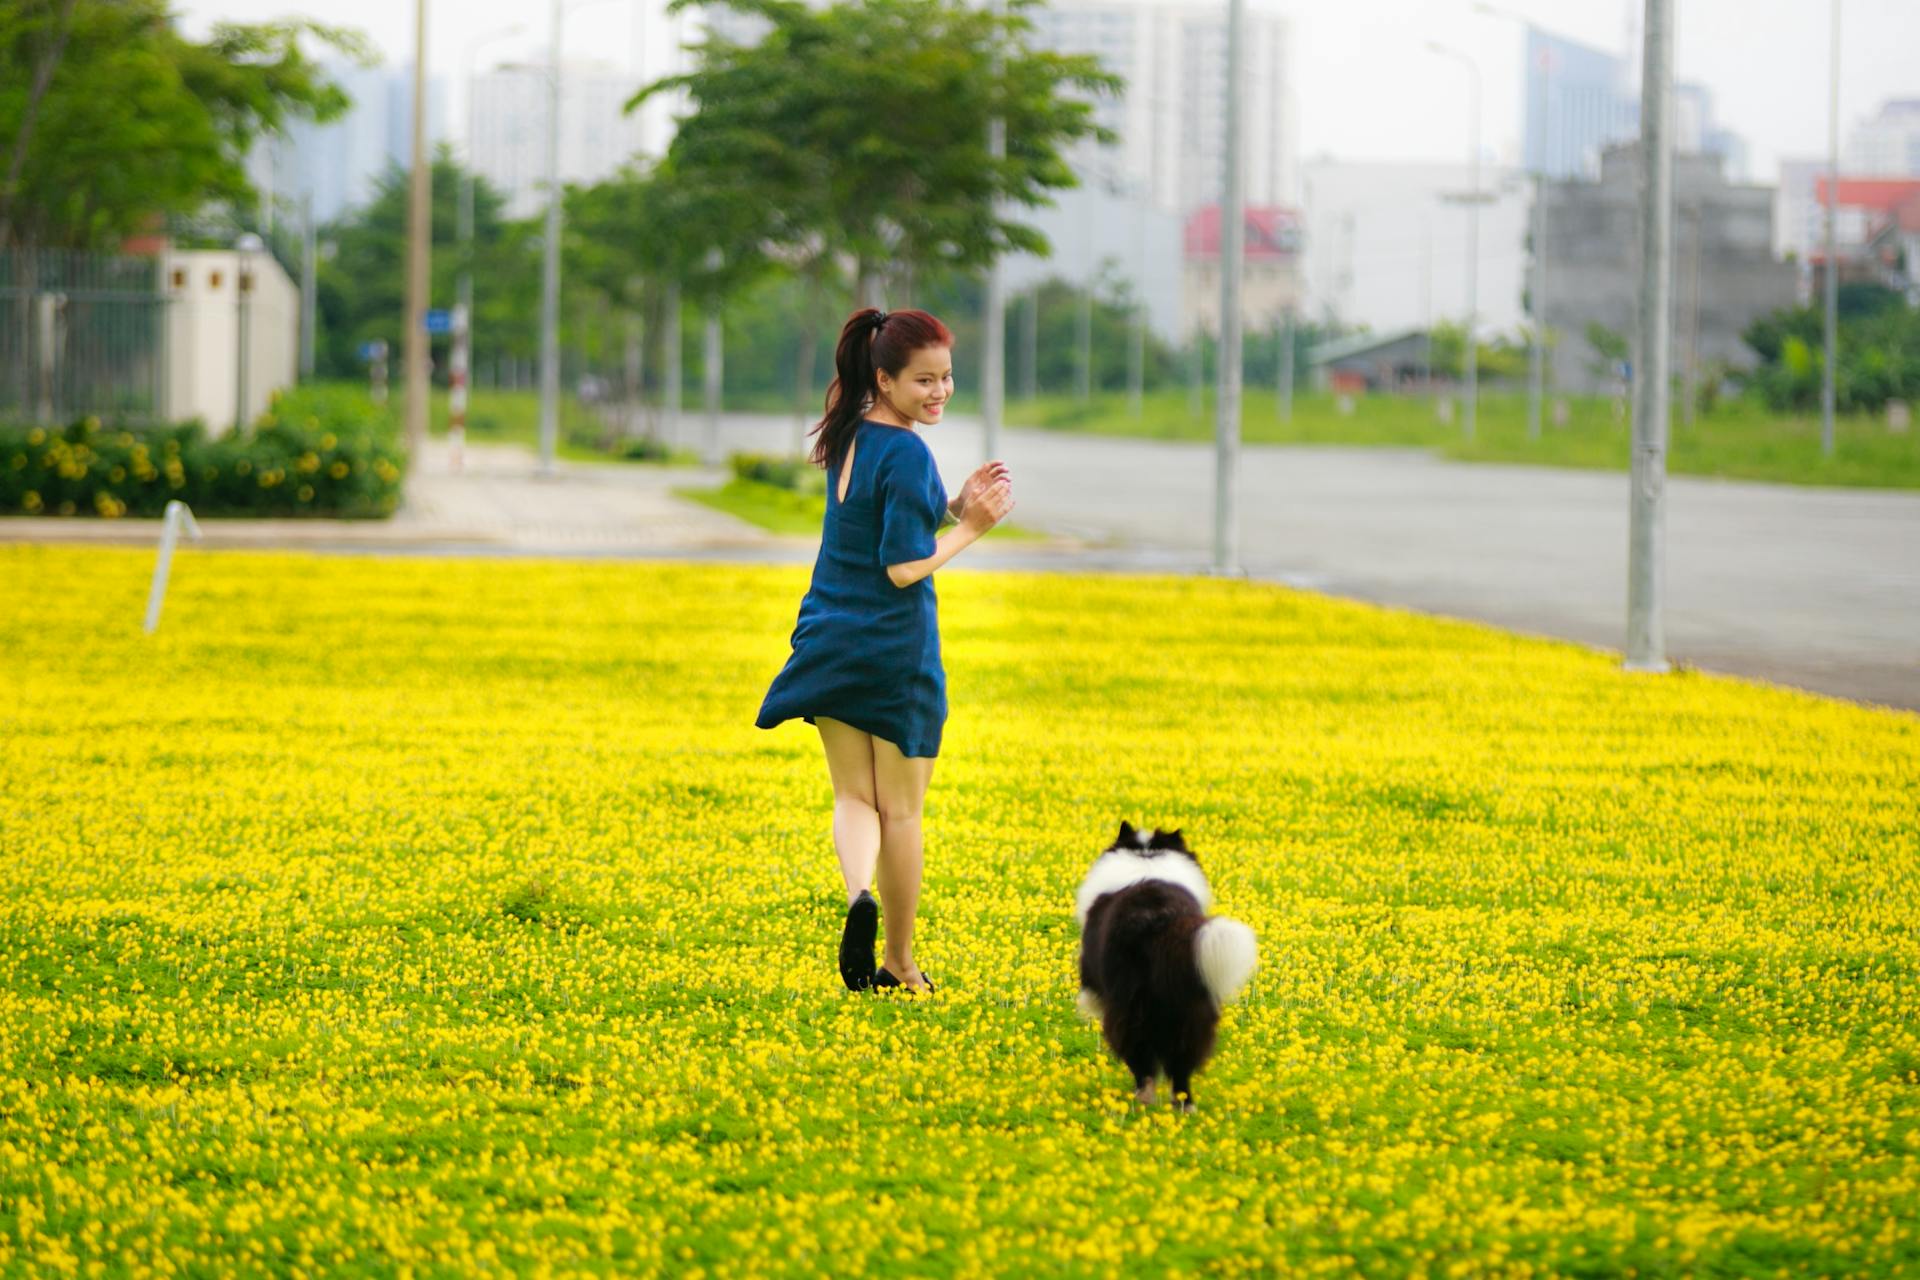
{"type": "Point", "coordinates": [881, 978]}
{"type": "Point", "coordinates": [856, 942]}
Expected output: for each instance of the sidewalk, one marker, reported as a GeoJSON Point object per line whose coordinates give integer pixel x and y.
{"type": "Point", "coordinates": [495, 503]}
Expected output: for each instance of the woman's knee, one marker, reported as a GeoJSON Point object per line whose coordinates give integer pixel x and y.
{"type": "Point", "coordinates": [898, 810]}
{"type": "Point", "coordinates": [854, 798]}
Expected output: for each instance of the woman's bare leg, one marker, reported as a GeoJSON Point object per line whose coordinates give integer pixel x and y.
{"type": "Point", "coordinates": [900, 786]}
{"type": "Point", "coordinates": [856, 818]}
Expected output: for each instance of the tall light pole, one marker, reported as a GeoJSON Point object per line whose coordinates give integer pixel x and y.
{"type": "Point", "coordinates": [419, 246]}
{"type": "Point", "coordinates": [1652, 357]}
{"type": "Point", "coordinates": [993, 363]}
{"type": "Point", "coordinates": [1226, 430]}
{"type": "Point", "coordinates": [1473, 201]}
{"type": "Point", "coordinates": [1536, 357]}
{"type": "Point", "coordinates": [550, 249]}
{"type": "Point", "coordinates": [462, 357]}
{"type": "Point", "coordinates": [1828, 374]}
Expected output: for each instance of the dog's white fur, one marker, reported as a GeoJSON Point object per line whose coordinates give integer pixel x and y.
{"type": "Point", "coordinates": [1226, 953]}
{"type": "Point", "coordinates": [1118, 868]}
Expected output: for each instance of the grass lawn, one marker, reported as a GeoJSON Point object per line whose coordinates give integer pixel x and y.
{"type": "Point", "coordinates": [513, 417]}
{"type": "Point", "coordinates": [1736, 441]}
{"type": "Point", "coordinates": [393, 916]}
{"type": "Point", "coordinates": [779, 510]}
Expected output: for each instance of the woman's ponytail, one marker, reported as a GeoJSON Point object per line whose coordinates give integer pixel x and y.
{"type": "Point", "coordinates": [871, 340]}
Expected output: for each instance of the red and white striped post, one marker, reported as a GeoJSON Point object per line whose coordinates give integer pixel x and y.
{"type": "Point", "coordinates": [457, 390]}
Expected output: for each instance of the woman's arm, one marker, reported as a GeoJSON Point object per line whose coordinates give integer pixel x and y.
{"type": "Point", "coordinates": [946, 547]}
{"type": "Point", "coordinates": [985, 511]}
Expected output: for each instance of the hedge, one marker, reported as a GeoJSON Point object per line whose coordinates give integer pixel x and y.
{"type": "Point", "coordinates": [318, 451]}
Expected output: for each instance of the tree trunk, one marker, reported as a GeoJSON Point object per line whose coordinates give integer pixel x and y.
{"type": "Point", "coordinates": [42, 79]}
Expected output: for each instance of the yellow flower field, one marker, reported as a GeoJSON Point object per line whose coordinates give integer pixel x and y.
{"type": "Point", "coordinates": [407, 917]}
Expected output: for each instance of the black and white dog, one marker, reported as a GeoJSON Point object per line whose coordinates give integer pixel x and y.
{"type": "Point", "coordinates": [1155, 969]}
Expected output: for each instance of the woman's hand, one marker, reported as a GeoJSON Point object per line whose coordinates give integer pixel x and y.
{"type": "Point", "coordinates": [985, 477]}
{"type": "Point", "coordinates": [989, 506]}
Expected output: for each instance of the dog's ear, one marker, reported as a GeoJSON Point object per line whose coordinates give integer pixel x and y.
{"type": "Point", "coordinates": [1169, 840]}
{"type": "Point", "coordinates": [1126, 836]}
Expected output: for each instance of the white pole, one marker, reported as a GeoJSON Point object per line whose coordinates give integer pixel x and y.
{"type": "Point", "coordinates": [550, 258]}
{"type": "Point", "coordinates": [413, 343]}
{"type": "Point", "coordinates": [1827, 394]}
{"type": "Point", "coordinates": [309, 260]}
{"type": "Point", "coordinates": [711, 371]}
{"type": "Point", "coordinates": [1646, 634]}
{"type": "Point", "coordinates": [1226, 433]}
{"type": "Point", "coordinates": [993, 372]}
{"type": "Point", "coordinates": [674, 357]}
{"type": "Point", "coordinates": [177, 515]}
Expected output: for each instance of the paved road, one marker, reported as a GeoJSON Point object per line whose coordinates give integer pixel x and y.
{"type": "Point", "coordinates": [1812, 587]}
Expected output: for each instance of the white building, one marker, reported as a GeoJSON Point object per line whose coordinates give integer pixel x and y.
{"type": "Point", "coordinates": [232, 336]}
{"type": "Point", "coordinates": [1887, 146]}
{"type": "Point", "coordinates": [509, 122]}
{"type": "Point", "coordinates": [1170, 117]}
{"type": "Point", "coordinates": [1387, 249]}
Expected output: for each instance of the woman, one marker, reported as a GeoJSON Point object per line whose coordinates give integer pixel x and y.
{"type": "Point", "coordinates": [865, 668]}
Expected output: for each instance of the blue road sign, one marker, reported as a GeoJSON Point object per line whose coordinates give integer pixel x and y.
{"type": "Point", "coordinates": [439, 320]}
{"type": "Point", "coordinates": [374, 349]}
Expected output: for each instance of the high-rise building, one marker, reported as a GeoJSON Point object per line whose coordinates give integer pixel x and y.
{"type": "Point", "coordinates": [1581, 100]}
{"type": "Point", "coordinates": [340, 163]}
{"type": "Point", "coordinates": [1169, 117]}
{"type": "Point", "coordinates": [509, 141]}
{"type": "Point", "coordinates": [1887, 146]}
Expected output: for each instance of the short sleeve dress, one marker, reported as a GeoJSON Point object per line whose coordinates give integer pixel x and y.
{"type": "Point", "coordinates": [865, 652]}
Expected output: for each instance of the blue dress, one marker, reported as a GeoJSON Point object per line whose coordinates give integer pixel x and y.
{"type": "Point", "coordinates": [865, 652]}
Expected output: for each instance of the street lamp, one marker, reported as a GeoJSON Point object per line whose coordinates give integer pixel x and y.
{"type": "Point", "coordinates": [550, 257]}
{"type": "Point", "coordinates": [1536, 364]}
{"type": "Point", "coordinates": [1473, 201]}
{"type": "Point", "coordinates": [1832, 322]}
{"type": "Point", "coordinates": [462, 353]}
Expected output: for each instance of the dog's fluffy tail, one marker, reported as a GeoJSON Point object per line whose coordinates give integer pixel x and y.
{"type": "Point", "coordinates": [1226, 955]}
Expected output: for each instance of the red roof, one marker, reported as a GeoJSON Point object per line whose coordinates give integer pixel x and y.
{"type": "Point", "coordinates": [1273, 233]}
{"type": "Point", "coordinates": [1877, 194]}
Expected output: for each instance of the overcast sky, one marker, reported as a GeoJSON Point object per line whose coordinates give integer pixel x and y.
{"type": "Point", "coordinates": [1367, 87]}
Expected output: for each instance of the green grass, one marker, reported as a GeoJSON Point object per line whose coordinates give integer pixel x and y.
{"type": "Point", "coordinates": [450, 916]}
{"type": "Point", "coordinates": [779, 510]}
{"type": "Point", "coordinates": [513, 417]}
{"type": "Point", "coordinates": [1737, 440]}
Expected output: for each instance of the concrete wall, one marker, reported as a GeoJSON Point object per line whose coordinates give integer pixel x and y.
{"type": "Point", "coordinates": [1725, 272]}
{"type": "Point", "coordinates": [205, 339]}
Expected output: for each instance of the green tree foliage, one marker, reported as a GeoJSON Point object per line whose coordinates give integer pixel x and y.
{"type": "Point", "coordinates": [1879, 341]}
{"type": "Point", "coordinates": [109, 118]}
{"type": "Point", "coordinates": [362, 284]}
{"type": "Point", "coordinates": [860, 129]}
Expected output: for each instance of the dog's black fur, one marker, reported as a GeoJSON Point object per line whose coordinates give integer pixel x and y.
{"type": "Point", "coordinates": [1137, 959]}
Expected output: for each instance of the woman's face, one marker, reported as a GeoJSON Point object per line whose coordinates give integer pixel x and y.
{"type": "Point", "coordinates": [919, 392]}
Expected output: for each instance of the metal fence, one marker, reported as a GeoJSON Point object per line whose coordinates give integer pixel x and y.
{"type": "Point", "coordinates": [81, 334]}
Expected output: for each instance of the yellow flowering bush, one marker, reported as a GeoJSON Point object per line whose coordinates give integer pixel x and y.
{"type": "Point", "coordinates": [400, 917]}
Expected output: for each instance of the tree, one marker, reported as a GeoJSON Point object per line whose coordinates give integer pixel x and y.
{"type": "Point", "coordinates": [113, 118]}
{"type": "Point", "coordinates": [362, 285]}
{"type": "Point", "coordinates": [860, 129]}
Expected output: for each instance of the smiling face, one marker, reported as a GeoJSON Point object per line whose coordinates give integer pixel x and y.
{"type": "Point", "coordinates": [920, 391]}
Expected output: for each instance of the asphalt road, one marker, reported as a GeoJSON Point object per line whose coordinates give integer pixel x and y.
{"type": "Point", "coordinates": [1818, 588]}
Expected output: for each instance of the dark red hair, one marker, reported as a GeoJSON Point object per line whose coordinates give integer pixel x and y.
{"type": "Point", "coordinates": [870, 341]}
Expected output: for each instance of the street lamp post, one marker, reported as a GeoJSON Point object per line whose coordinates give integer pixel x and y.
{"type": "Point", "coordinates": [1473, 200]}
{"type": "Point", "coordinates": [1652, 357]}
{"type": "Point", "coordinates": [550, 249]}
{"type": "Point", "coordinates": [462, 356]}
{"type": "Point", "coordinates": [1226, 531]}
{"type": "Point", "coordinates": [1832, 323]}
{"type": "Point", "coordinates": [419, 246]}
{"type": "Point", "coordinates": [1536, 357]}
